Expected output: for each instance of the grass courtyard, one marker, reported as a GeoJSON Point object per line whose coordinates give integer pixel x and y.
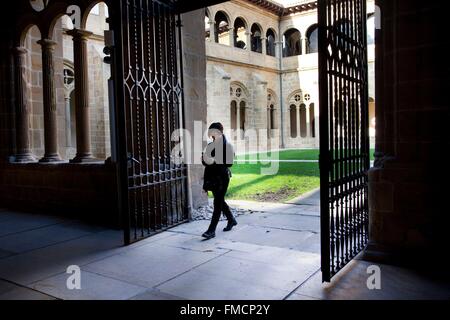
{"type": "Point", "coordinates": [292, 180]}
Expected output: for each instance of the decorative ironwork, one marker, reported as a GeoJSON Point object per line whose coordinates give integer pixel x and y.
{"type": "Point", "coordinates": [156, 196]}
{"type": "Point", "coordinates": [344, 123]}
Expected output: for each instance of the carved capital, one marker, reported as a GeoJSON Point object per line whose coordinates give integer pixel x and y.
{"type": "Point", "coordinates": [80, 34]}
{"type": "Point", "coordinates": [47, 44]}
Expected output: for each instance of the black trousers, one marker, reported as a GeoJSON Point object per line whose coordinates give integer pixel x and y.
{"type": "Point", "coordinates": [220, 206]}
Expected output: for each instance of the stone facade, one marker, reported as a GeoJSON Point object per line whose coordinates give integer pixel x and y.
{"type": "Point", "coordinates": [291, 83]}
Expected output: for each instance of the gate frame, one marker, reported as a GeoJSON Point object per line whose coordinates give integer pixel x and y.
{"type": "Point", "coordinates": [325, 156]}
{"type": "Point", "coordinates": [118, 52]}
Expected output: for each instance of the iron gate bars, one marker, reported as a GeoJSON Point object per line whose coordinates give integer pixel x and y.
{"type": "Point", "coordinates": [156, 181]}
{"type": "Point", "coordinates": [344, 132]}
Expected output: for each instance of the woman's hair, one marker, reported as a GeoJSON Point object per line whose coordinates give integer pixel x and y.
{"type": "Point", "coordinates": [216, 126]}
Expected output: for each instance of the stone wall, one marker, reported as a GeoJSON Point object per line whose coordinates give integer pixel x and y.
{"type": "Point", "coordinates": [7, 125]}
{"type": "Point", "coordinates": [195, 94]}
{"type": "Point", "coordinates": [85, 192]}
{"type": "Point", "coordinates": [408, 187]}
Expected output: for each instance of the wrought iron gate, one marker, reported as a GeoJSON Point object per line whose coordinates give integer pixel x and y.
{"type": "Point", "coordinates": [344, 132]}
{"type": "Point", "coordinates": [154, 190]}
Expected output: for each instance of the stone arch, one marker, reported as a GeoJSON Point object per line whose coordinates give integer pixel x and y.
{"type": "Point", "coordinates": [222, 25]}
{"type": "Point", "coordinates": [271, 39]}
{"type": "Point", "coordinates": [239, 91]}
{"type": "Point", "coordinates": [296, 97]}
{"type": "Point", "coordinates": [256, 37]}
{"type": "Point", "coordinates": [312, 44]}
{"type": "Point", "coordinates": [240, 29]}
{"type": "Point", "coordinates": [292, 43]}
{"type": "Point", "coordinates": [85, 13]}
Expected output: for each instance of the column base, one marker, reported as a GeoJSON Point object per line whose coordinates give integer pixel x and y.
{"type": "Point", "coordinates": [51, 159]}
{"type": "Point", "coordinates": [24, 158]}
{"type": "Point", "coordinates": [84, 159]}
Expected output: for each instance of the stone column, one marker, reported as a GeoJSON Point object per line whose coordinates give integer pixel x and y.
{"type": "Point", "coordinates": [279, 49]}
{"type": "Point", "coordinates": [231, 36]}
{"type": "Point", "coordinates": [308, 122]}
{"type": "Point", "coordinates": [23, 153]}
{"type": "Point", "coordinates": [264, 45]}
{"type": "Point", "coordinates": [304, 45]}
{"type": "Point", "coordinates": [299, 131]}
{"type": "Point", "coordinates": [68, 122]}
{"type": "Point", "coordinates": [212, 31]}
{"type": "Point", "coordinates": [80, 38]}
{"type": "Point", "coordinates": [249, 40]}
{"type": "Point", "coordinates": [48, 76]}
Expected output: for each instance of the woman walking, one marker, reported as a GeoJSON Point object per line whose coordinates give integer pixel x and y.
{"type": "Point", "coordinates": [217, 159]}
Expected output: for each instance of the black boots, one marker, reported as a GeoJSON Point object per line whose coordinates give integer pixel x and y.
{"type": "Point", "coordinates": [230, 225]}
{"type": "Point", "coordinates": [209, 235]}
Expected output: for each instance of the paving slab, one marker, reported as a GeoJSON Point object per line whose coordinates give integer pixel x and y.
{"type": "Point", "coordinates": [5, 254]}
{"type": "Point", "coordinates": [195, 227]}
{"type": "Point", "coordinates": [150, 265]}
{"type": "Point", "coordinates": [272, 255]}
{"type": "Point", "coordinates": [282, 221]}
{"type": "Point", "coordinates": [12, 222]}
{"type": "Point", "coordinates": [282, 276]}
{"type": "Point", "coordinates": [93, 287]}
{"type": "Point", "coordinates": [267, 236]}
{"type": "Point", "coordinates": [195, 243]}
{"type": "Point", "coordinates": [45, 236]}
{"type": "Point", "coordinates": [27, 268]}
{"type": "Point", "coordinates": [196, 285]}
{"type": "Point", "coordinates": [311, 198]}
{"type": "Point", "coordinates": [396, 284]}
{"type": "Point", "coordinates": [10, 291]}
{"type": "Point", "coordinates": [154, 294]}
{"type": "Point", "coordinates": [45, 262]}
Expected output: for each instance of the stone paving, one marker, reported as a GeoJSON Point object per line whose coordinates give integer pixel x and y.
{"type": "Point", "coordinates": [274, 253]}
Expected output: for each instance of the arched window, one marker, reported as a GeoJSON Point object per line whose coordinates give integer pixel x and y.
{"type": "Point", "coordinates": [371, 30]}
{"type": "Point", "coordinates": [303, 129]}
{"type": "Point", "coordinates": [292, 43]}
{"type": "Point", "coordinates": [99, 73]}
{"type": "Point", "coordinates": [271, 113]}
{"type": "Point", "coordinates": [256, 35]}
{"type": "Point", "coordinates": [233, 111]}
{"type": "Point", "coordinates": [270, 43]}
{"type": "Point", "coordinates": [207, 27]}
{"type": "Point", "coordinates": [272, 117]}
{"type": "Point", "coordinates": [293, 118]}
{"type": "Point", "coordinates": [242, 118]}
{"type": "Point", "coordinates": [239, 96]}
{"type": "Point", "coordinates": [312, 120]}
{"type": "Point", "coordinates": [222, 34]}
{"type": "Point", "coordinates": [313, 41]}
{"type": "Point", "coordinates": [239, 33]}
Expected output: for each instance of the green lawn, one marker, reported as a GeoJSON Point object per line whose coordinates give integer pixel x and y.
{"type": "Point", "coordinates": [310, 154]}
{"type": "Point", "coordinates": [291, 181]}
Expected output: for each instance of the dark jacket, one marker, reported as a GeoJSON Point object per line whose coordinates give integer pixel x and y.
{"type": "Point", "coordinates": [217, 159]}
